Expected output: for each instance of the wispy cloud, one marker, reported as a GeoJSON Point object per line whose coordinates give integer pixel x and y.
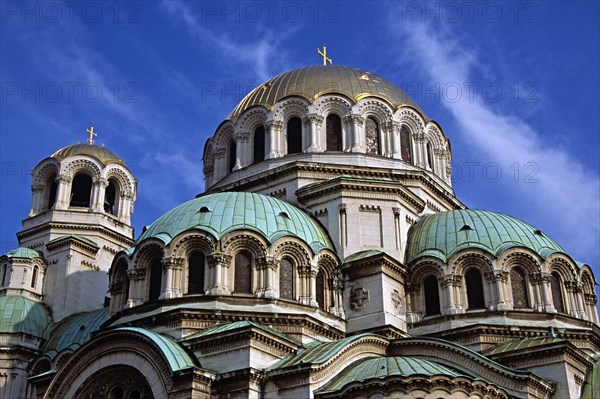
{"type": "Point", "coordinates": [261, 57]}
{"type": "Point", "coordinates": [566, 192]}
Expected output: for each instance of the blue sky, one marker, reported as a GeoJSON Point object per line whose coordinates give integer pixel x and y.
{"type": "Point", "coordinates": [514, 85]}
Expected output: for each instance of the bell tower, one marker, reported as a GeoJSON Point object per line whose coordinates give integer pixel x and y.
{"type": "Point", "coordinates": [80, 217]}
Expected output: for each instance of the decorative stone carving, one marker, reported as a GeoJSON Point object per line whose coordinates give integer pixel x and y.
{"type": "Point", "coordinates": [359, 298]}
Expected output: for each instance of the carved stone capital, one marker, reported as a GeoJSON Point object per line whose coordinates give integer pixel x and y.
{"type": "Point", "coordinates": [267, 262]}
{"type": "Point", "coordinates": [314, 118]}
{"type": "Point", "coordinates": [64, 178]}
{"type": "Point", "coordinates": [274, 126]}
{"type": "Point", "coordinates": [219, 258]}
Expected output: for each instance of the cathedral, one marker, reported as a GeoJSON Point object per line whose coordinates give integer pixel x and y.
{"type": "Point", "coordinates": [328, 258]}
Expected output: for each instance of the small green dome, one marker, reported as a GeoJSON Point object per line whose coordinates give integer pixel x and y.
{"type": "Point", "coordinates": [443, 234]}
{"type": "Point", "coordinates": [221, 213]}
{"type": "Point", "coordinates": [24, 253]}
{"type": "Point", "coordinates": [384, 367]}
{"type": "Point", "coordinates": [23, 315]}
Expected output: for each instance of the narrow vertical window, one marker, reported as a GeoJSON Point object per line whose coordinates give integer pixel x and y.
{"type": "Point", "coordinates": [52, 193]}
{"type": "Point", "coordinates": [333, 131]}
{"type": "Point", "coordinates": [155, 280]}
{"type": "Point", "coordinates": [259, 144]}
{"type": "Point", "coordinates": [294, 136]}
{"type": "Point", "coordinates": [34, 276]}
{"type": "Point", "coordinates": [81, 191]}
{"type": "Point", "coordinates": [232, 155]}
{"type": "Point", "coordinates": [429, 156]}
{"type": "Point", "coordinates": [110, 195]}
{"type": "Point", "coordinates": [432, 296]}
{"type": "Point", "coordinates": [372, 139]}
{"type": "Point", "coordinates": [243, 273]}
{"type": "Point", "coordinates": [557, 298]}
{"type": "Point", "coordinates": [519, 288]}
{"type": "Point", "coordinates": [474, 289]}
{"type": "Point", "coordinates": [196, 273]}
{"type": "Point", "coordinates": [320, 294]}
{"type": "Point", "coordinates": [4, 271]}
{"type": "Point", "coordinates": [286, 279]}
{"type": "Point", "coordinates": [405, 145]}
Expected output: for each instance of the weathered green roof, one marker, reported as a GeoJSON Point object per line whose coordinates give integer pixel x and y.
{"type": "Point", "coordinates": [517, 344]}
{"type": "Point", "coordinates": [320, 353]}
{"type": "Point", "coordinates": [217, 330]}
{"type": "Point", "coordinates": [75, 237]}
{"type": "Point", "coordinates": [383, 367]}
{"type": "Point", "coordinates": [24, 253]}
{"type": "Point", "coordinates": [443, 234]}
{"type": "Point", "coordinates": [591, 387]}
{"type": "Point", "coordinates": [363, 255]}
{"type": "Point", "coordinates": [74, 331]}
{"type": "Point", "coordinates": [23, 315]}
{"type": "Point", "coordinates": [177, 357]}
{"type": "Point", "coordinates": [221, 213]}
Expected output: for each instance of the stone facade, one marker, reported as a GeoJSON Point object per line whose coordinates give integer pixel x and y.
{"type": "Point", "coordinates": [329, 258]}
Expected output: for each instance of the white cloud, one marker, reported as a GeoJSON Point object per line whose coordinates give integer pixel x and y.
{"type": "Point", "coordinates": [262, 56]}
{"type": "Point", "coordinates": [566, 192]}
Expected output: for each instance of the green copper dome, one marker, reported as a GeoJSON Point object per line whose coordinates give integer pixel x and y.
{"type": "Point", "coordinates": [221, 213]}
{"type": "Point", "coordinates": [25, 316]}
{"type": "Point", "coordinates": [384, 367]}
{"type": "Point", "coordinates": [24, 253]}
{"type": "Point", "coordinates": [443, 234]}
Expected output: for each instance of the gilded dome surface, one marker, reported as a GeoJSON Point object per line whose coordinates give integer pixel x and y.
{"type": "Point", "coordinates": [100, 153]}
{"type": "Point", "coordinates": [443, 234]}
{"type": "Point", "coordinates": [221, 213]}
{"type": "Point", "coordinates": [314, 81]}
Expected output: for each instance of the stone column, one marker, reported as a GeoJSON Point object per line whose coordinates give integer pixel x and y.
{"type": "Point", "coordinates": [98, 193]}
{"type": "Point", "coordinates": [419, 142]}
{"type": "Point", "coordinates": [312, 275]}
{"type": "Point", "coordinates": [220, 160]}
{"type": "Point", "coordinates": [172, 266]}
{"type": "Point", "coordinates": [338, 289]}
{"type": "Point", "coordinates": [447, 285]}
{"type": "Point", "coordinates": [395, 136]}
{"type": "Point", "coordinates": [274, 130]}
{"type": "Point", "coordinates": [135, 296]}
{"type": "Point", "coordinates": [268, 265]}
{"type": "Point", "coordinates": [543, 279]}
{"type": "Point", "coordinates": [219, 262]}
{"type": "Point", "coordinates": [62, 191]}
{"type": "Point", "coordinates": [412, 315]}
{"type": "Point", "coordinates": [356, 123]}
{"type": "Point", "coordinates": [314, 122]}
{"type": "Point", "coordinates": [37, 191]}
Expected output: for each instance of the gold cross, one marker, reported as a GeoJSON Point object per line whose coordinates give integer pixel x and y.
{"type": "Point", "coordinates": [92, 134]}
{"type": "Point", "coordinates": [324, 55]}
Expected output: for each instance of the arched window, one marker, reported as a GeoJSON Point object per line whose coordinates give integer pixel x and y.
{"type": "Point", "coordinates": [286, 279]}
{"type": "Point", "coordinates": [320, 294]}
{"type": "Point", "coordinates": [372, 129]}
{"type": "Point", "coordinates": [474, 289]}
{"type": "Point", "coordinates": [52, 188]}
{"type": "Point", "coordinates": [333, 132]}
{"type": "Point", "coordinates": [429, 156]}
{"type": "Point", "coordinates": [259, 144]}
{"type": "Point", "coordinates": [432, 296]}
{"type": "Point", "coordinates": [242, 282]}
{"type": "Point", "coordinates": [518, 286]}
{"type": "Point", "coordinates": [405, 145]}
{"type": "Point", "coordinates": [557, 298]}
{"type": "Point", "coordinates": [34, 276]}
{"type": "Point", "coordinates": [110, 198]}
{"type": "Point", "coordinates": [232, 154]}
{"type": "Point", "coordinates": [196, 273]}
{"type": "Point", "coordinates": [81, 190]}
{"type": "Point", "coordinates": [294, 135]}
{"type": "Point", "coordinates": [155, 279]}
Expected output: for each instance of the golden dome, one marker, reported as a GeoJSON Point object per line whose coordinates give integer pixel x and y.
{"type": "Point", "coordinates": [314, 81]}
{"type": "Point", "coordinates": [100, 153]}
